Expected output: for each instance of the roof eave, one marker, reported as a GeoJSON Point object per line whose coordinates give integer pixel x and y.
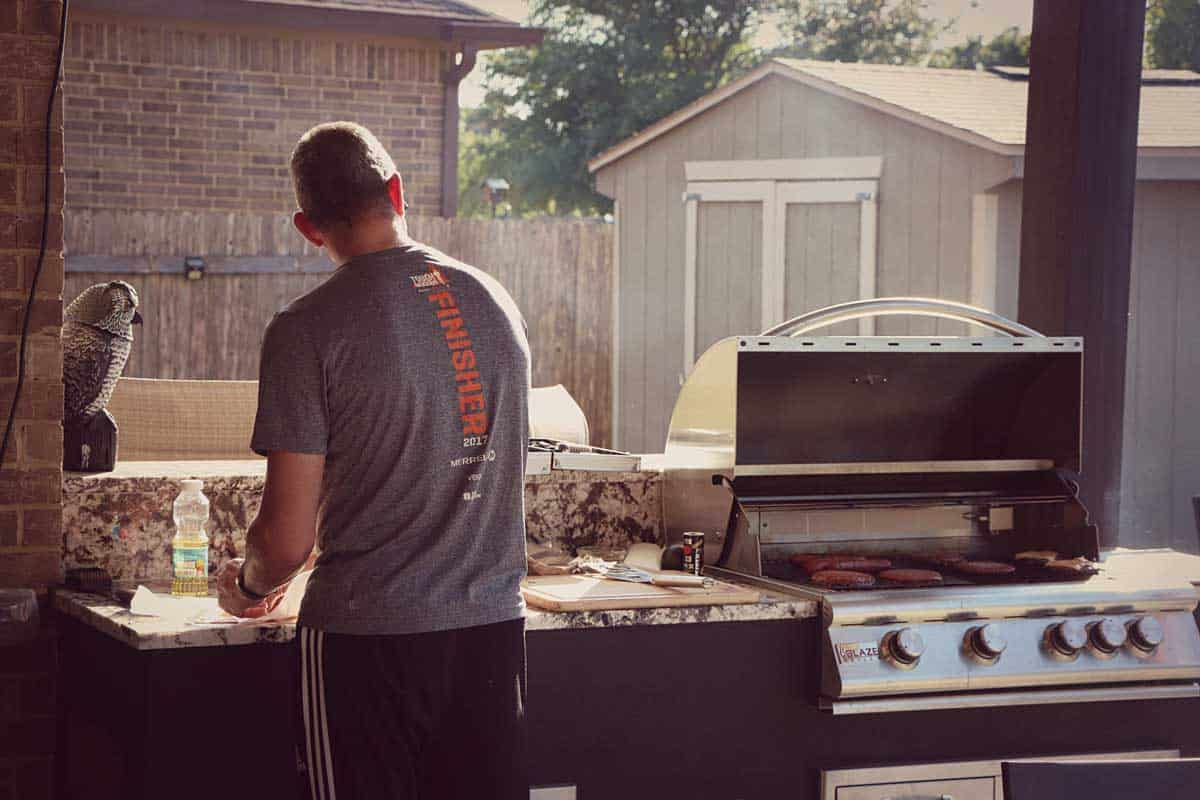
{"type": "Point", "coordinates": [682, 115]}
{"type": "Point", "coordinates": [487, 34]}
{"type": "Point", "coordinates": [776, 67]}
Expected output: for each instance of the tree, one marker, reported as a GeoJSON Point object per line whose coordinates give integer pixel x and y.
{"type": "Point", "coordinates": [607, 69]}
{"type": "Point", "coordinates": [1173, 34]}
{"type": "Point", "coordinates": [1009, 48]}
{"type": "Point", "coordinates": [874, 31]}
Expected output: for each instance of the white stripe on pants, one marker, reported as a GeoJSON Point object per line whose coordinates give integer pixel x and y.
{"type": "Point", "coordinates": [316, 722]}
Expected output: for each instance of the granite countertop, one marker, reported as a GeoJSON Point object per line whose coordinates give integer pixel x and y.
{"type": "Point", "coordinates": [120, 521]}
{"type": "Point", "coordinates": [151, 633]}
{"type": "Point", "coordinates": [256, 468]}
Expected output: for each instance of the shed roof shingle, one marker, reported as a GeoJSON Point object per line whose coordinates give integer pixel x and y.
{"type": "Point", "coordinates": [993, 106]}
{"type": "Point", "coordinates": [982, 107]}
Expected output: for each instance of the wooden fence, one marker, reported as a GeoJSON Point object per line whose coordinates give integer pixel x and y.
{"type": "Point", "coordinates": [560, 273]}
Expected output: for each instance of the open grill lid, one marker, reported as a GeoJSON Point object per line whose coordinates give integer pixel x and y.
{"type": "Point", "coordinates": [858, 406]}
{"type": "Point", "coordinates": [865, 419]}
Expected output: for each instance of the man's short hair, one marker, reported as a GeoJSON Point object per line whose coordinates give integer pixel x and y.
{"type": "Point", "coordinates": [340, 172]}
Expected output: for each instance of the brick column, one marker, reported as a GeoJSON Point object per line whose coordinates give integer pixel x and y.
{"type": "Point", "coordinates": [31, 475]}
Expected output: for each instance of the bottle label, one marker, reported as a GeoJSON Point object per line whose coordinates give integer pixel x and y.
{"type": "Point", "coordinates": [190, 562]}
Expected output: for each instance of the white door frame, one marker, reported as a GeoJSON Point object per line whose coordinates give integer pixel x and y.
{"type": "Point", "coordinates": [817, 180]}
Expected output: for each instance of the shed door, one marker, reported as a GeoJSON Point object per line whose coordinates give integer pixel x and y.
{"type": "Point", "coordinates": [828, 241]}
{"type": "Point", "coordinates": [758, 252]}
{"type": "Point", "coordinates": [725, 259]}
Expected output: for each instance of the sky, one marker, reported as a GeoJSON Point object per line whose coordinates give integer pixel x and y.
{"type": "Point", "coordinates": [975, 18]}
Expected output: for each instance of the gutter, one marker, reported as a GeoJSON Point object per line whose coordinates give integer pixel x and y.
{"type": "Point", "coordinates": [295, 15]}
{"type": "Point", "coordinates": [451, 79]}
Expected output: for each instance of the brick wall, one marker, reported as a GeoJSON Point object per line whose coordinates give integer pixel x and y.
{"type": "Point", "coordinates": [167, 114]}
{"type": "Point", "coordinates": [31, 477]}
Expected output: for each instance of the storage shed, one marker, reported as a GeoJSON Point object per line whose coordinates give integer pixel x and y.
{"type": "Point", "coordinates": [806, 183]}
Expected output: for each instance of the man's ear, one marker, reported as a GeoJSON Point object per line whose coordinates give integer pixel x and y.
{"type": "Point", "coordinates": [307, 229]}
{"type": "Point", "coordinates": [395, 189]}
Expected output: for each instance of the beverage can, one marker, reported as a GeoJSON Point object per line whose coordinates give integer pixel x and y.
{"type": "Point", "coordinates": [693, 552]}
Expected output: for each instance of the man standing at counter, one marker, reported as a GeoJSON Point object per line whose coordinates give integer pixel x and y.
{"type": "Point", "coordinates": [393, 412]}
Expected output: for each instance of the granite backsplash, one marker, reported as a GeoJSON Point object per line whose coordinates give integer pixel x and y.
{"type": "Point", "coordinates": [121, 521]}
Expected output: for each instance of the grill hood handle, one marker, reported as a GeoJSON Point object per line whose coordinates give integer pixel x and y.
{"type": "Point", "coordinates": [890, 306]}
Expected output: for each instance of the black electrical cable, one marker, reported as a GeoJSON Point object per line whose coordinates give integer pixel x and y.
{"type": "Point", "coordinates": [37, 272]}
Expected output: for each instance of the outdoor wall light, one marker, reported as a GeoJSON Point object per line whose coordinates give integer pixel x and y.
{"type": "Point", "coordinates": [193, 268]}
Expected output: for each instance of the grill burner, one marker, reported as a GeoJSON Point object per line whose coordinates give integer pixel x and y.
{"type": "Point", "coordinates": [905, 447]}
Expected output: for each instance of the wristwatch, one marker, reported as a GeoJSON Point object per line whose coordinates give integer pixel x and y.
{"type": "Point", "coordinates": [241, 585]}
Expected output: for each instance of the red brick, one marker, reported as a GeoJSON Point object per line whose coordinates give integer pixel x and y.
{"type": "Point", "coordinates": [9, 348]}
{"type": "Point", "coordinates": [8, 528]}
{"type": "Point", "coordinates": [32, 146]}
{"type": "Point", "coordinates": [42, 527]}
{"type": "Point", "coordinates": [9, 20]}
{"type": "Point", "coordinates": [143, 69]}
{"type": "Point", "coordinates": [33, 185]}
{"type": "Point", "coordinates": [43, 357]}
{"type": "Point", "coordinates": [9, 141]}
{"type": "Point", "coordinates": [33, 106]}
{"type": "Point", "coordinates": [10, 280]}
{"type": "Point", "coordinates": [8, 186]}
{"type": "Point", "coordinates": [9, 223]}
{"type": "Point", "coordinates": [8, 102]}
{"type": "Point", "coordinates": [45, 315]}
{"type": "Point", "coordinates": [40, 399]}
{"type": "Point", "coordinates": [42, 17]}
{"type": "Point", "coordinates": [29, 234]}
{"type": "Point", "coordinates": [35, 570]}
{"type": "Point", "coordinates": [16, 274]}
{"type": "Point", "coordinates": [29, 59]}
{"type": "Point", "coordinates": [42, 486]}
{"type": "Point", "coordinates": [111, 116]}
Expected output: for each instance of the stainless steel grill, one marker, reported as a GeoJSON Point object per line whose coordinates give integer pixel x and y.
{"type": "Point", "coordinates": [912, 448]}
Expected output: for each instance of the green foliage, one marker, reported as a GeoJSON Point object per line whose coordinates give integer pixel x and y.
{"type": "Point", "coordinates": [1173, 34]}
{"type": "Point", "coordinates": [874, 31]}
{"type": "Point", "coordinates": [1009, 48]}
{"type": "Point", "coordinates": [607, 69]}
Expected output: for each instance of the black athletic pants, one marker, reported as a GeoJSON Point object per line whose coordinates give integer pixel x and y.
{"type": "Point", "coordinates": [421, 716]}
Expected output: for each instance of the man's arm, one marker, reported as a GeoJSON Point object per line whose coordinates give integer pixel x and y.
{"type": "Point", "coordinates": [281, 537]}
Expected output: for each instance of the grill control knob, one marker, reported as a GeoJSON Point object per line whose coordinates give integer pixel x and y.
{"type": "Point", "coordinates": [1108, 635]}
{"type": "Point", "coordinates": [905, 646]}
{"type": "Point", "coordinates": [988, 642]}
{"type": "Point", "coordinates": [1069, 637]}
{"type": "Point", "coordinates": [1146, 633]}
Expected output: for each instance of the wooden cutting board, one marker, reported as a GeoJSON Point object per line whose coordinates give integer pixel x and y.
{"type": "Point", "coordinates": [590, 593]}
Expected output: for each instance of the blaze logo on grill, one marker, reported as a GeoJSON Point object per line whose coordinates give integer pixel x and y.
{"type": "Point", "coordinates": [853, 652]}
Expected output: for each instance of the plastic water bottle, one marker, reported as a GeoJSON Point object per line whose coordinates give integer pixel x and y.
{"type": "Point", "coordinates": [189, 549]}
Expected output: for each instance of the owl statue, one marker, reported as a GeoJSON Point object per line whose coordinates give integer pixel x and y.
{"type": "Point", "coordinates": [97, 335]}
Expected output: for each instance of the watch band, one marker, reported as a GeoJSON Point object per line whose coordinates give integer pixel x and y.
{"type": "Point", "coordinates": [241, 585]}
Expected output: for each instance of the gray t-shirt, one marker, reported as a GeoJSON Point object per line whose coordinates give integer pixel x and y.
{"type": "Point", "coordinates": [410, 372]}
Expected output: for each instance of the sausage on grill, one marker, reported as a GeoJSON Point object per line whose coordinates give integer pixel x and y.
{"type": "Point", "coordinates": [912, 577]}
{"type": "Point", "coordinates": [941, 559]}
{"type": "Point", "coordinates": [811, 564]}
{"type": "Point", "coordinates": [842, 579]}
